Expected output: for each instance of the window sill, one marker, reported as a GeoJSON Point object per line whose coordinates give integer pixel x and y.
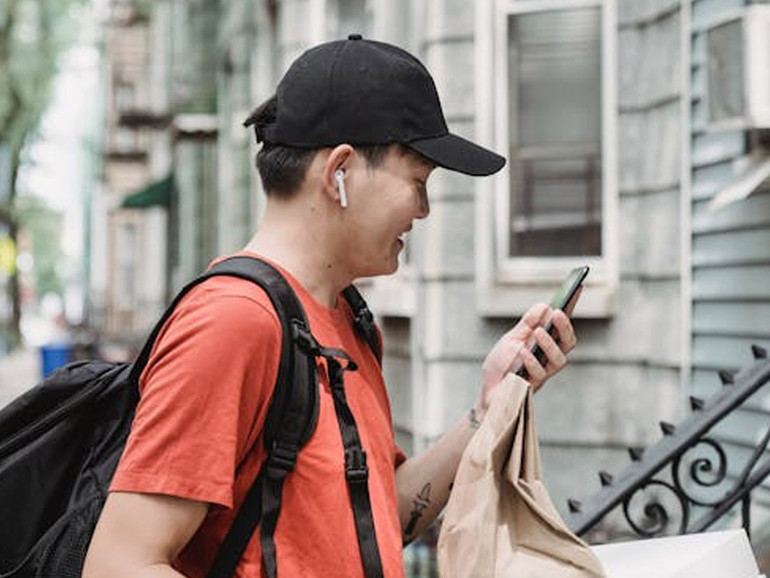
{"type": "Point", "coordinates": [597, 301]}
{"type": "Point", "coordinates": [390, 296]}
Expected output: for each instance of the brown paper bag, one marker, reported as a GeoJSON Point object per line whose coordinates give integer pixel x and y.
{"type": "Point", "coordinates": [499, 520]}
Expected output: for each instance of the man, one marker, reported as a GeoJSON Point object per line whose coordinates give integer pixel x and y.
{"type": "Point", "coordinates": [349, 141]}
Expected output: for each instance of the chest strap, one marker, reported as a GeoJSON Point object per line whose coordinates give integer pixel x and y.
{"type": "Point", "coordinates": [356, 471]}
{"type": "Point", "coordinates": [283, 458]}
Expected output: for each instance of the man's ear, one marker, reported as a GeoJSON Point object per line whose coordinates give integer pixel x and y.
{"type": "Point", "coordinates": [339, 159]}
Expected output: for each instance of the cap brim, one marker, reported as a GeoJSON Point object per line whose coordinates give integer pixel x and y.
{"type": "Point", "coordinates": [458, 154]}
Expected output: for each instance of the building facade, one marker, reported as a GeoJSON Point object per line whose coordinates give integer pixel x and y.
{"type": "Point", "coordinates": [128, 222]}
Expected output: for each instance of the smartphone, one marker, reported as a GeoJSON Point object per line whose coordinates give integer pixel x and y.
{"type": "Point", "coordinates": [561, 299]}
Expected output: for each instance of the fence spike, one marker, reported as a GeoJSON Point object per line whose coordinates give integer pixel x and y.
{"type": "Point", "coordinates": [636, 454]}
{"type": "Point", "coordinates": [668, 428]}
{"type": "Point", "coordinates": [574, 506]}
{"type": "Point", "coordinates": [758, 352]}
{"type": "Point", "coordinates": [696, 403]}
{"type": "Point", "coordinates": [605, 478]}
{"type": "Point", "coordinates": [727, 377]}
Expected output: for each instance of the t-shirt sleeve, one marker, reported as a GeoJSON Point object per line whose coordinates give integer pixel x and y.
{"type": "Point", "coordinates": [204, 397]}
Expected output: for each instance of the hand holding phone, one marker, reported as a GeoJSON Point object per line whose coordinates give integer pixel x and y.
{"type": "Point", "coordinates": [564, 299]}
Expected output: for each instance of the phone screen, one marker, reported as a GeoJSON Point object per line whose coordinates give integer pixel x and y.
{"type": "Point", "coordinates": [560, 300]}
{"type": "Point", "coordinates": [567, 291]}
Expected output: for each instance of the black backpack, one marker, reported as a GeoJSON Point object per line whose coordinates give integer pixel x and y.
{"type": "Point", "coordinates": [61, 441]}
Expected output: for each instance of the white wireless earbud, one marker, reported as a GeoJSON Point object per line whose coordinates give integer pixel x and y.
{"type": "Point", "coordinates": [339, 176]}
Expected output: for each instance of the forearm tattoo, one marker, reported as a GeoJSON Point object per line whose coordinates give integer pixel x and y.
{"type": "Point", "coordinates": [420, 502]}
{"type": "Point", "coordinates": [473, 417]}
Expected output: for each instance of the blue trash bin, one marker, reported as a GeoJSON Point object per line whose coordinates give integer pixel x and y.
{"type": "Point", "coordinates": [53, 356]}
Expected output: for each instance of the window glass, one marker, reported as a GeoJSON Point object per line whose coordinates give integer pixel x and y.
{"type": "Point", "coordinates": [344, 17]}
{"type": "Point", "coordinates": [124, 139]}
{"type": "Point", "coordinates": [725, 71]}
{"type": "Point", "coordinates": [555, 87]}
{"type": "Point", "coordinates": [127, 242]}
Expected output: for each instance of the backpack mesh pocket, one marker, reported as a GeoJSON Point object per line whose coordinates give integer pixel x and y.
{"type": "Point", "coordinates": [66, 553]}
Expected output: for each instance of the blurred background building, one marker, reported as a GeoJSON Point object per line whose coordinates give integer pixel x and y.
{"type": "Point", "coordinates": [637, 139]}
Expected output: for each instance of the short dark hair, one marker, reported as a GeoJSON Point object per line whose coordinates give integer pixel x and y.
{"type": "Point", "coordinates": [283, 168]}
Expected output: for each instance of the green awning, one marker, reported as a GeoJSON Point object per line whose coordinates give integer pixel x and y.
{"type": "Point", "coordinates": [157, 194]}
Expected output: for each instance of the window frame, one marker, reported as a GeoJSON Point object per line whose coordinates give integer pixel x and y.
{"type": "Point", "coordinates": [508, 285]}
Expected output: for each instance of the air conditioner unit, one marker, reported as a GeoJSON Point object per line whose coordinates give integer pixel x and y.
{"type": "Point", "coordinates": [738, 70]}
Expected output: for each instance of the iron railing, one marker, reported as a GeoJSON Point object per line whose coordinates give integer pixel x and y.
{"type": "Point", "coordinates": [688, 480]}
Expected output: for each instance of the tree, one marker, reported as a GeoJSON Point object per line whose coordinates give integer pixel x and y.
{"type": "Point", "coordinates": [44, 226]}
{"type": "Point", "coordinates": [32, 35]}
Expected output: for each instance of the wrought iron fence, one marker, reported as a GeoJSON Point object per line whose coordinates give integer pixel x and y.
{"type": "Point", "coordinates": [687, 481]}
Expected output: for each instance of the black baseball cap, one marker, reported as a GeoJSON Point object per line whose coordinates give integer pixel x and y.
{"type": "Point", "coordinates": [365, 92]}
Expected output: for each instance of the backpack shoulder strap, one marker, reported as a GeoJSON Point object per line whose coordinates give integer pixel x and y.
{"type": "Point", "coordinates": [363, 320]}
{"type": "Point", "coordinates": [291, 417]}
{"type": "Point", "coordinates": [252, 269]}
{"type": "Point", "coordinates": [291, 396]}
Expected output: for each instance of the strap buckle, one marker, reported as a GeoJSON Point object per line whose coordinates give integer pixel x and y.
{"type": "Point", "coordinates": [301, 335]}
{"type": "Point", "coordinates": [281, 460]}
{"type": "Point", "coordinates": [364, 317]}
{"type": "Point", "coordinates": [356, 470]}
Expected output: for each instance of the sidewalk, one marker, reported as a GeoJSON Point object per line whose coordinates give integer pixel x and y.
{"type": "Point", "coordinates": [19, 370]}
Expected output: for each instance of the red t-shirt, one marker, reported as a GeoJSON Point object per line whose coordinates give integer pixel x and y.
{"type": "Point", "coordinates": [196, 435]}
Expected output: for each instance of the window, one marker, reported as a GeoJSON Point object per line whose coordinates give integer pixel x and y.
{"type": "Point", "coordinates": [554, 123]}
{"type": "Point", "coordinates": [725, 75]}
{"type": "Point", "coordinates": [125, 285]}
{"type": "Point", "coordinates": [344, 17]}
{"type": "Point", "coordinates": [549, 76]}
{"type": "Point", "coordinates": [388, 20]}
{"type": "Point", "coordinates": [124, 139]}
{"type": "Point", "coordinates": [336, 19]}
{"type": "Point", "coordinates": [737, 61]}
